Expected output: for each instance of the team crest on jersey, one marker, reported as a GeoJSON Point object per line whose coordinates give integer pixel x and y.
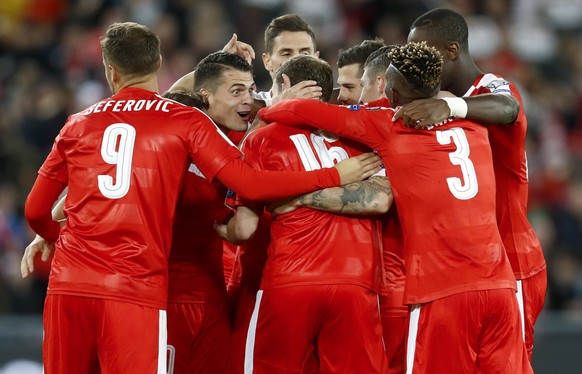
{"type": "Point", "coordinates": [194, 169]}
{"type": "Point", "coordinates": [354, 107]}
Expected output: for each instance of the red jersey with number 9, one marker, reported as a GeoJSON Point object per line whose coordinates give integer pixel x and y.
{"type": "Point", "coordinates": [124, 159]}
{"type": "Point", "coordinates": [444, 187]}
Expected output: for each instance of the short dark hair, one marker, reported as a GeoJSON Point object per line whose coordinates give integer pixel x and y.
{"type": "Point", "coordinates": [187, 98]}
{"type": "Point", "coordinates": [358, 53]}
{"type": "Point", "coordinates": [210, 69]}
{"type": "Point", "coordinates": [420, 65]}
{"type": "Point", "coordinates": [378, 61]}
{"type": "Point", "coordinates": [303, 67]}
{"type": "Point", "coordinates": [287, 22]}
{"type": "Point", "coordinates": [444, 25]}
{"type": "Point", "coordinates": [132, 48]}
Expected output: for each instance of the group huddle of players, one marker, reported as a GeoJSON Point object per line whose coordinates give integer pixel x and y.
{"type": "Point", "coordinates": [321, 260]}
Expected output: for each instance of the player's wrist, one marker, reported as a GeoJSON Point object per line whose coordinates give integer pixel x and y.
{"type": "Point", "coordinates": [457, 106]}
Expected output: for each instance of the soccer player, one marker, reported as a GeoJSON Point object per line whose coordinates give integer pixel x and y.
{"type": "Point", "coordinates": [324, 271]}
{"type": "Point", "coordinates": [373, 79]}
{"type": "Point", "coordinates": [489, 99]}
{"type": "Point", "coordinates": [123, 160]}
{"type": "Point", "coordinates": [198, 321]}
{"type": "Point", "coordinates": [350, 65]}
{"type": "Point", "coordinates": [459, 282]}
{"type": "Point", "coordinates": [285, 37]}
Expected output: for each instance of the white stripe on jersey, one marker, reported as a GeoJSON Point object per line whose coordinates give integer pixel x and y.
{"type": "Point", "coordinates": [519, 296]}
{"type": "Point", "coordinates": [251, 334]}
{"type": "Point", "coordinates": [162, 342]}
{"type": "Point", "coordinates": [494, 83]}
{"type": "Point", "coordinates": [412, 332]}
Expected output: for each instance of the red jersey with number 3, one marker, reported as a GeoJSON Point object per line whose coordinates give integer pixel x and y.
{"type": "Point", "coordinates": [310, 246]}
{"type": "Point", "coordinates": [124, 159]}
{"type": "Point", "coordinates": [510, 162]}
{"type": "Point", "coordinates": [444, 187]}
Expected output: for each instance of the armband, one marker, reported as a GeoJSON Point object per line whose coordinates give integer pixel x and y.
{"type": "Point", "coordinates": [457, 106]}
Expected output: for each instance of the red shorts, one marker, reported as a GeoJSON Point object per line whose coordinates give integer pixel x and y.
{"type": "Point", "coordinates": [470, 332]}
{"type": "Point", "coordinates": [87, 335]}
{"type": "Point", "coordinates": [394, 316]}
{"type": "Point", "coordinates": [338, 324]}
{"type": "Point", "coordinates": [198, 338]}
{"type": "Point", "coordinates": [531, 296]}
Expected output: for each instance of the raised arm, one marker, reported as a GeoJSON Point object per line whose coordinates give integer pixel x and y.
{"type": "Point", "coordinates": [372, 196]}
{"type": "Point", "coordinates": [487, 109]}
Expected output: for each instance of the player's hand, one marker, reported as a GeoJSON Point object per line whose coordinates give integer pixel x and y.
{"type": "Point", "coordinates": [302, 90]}
{"type": "Point", "coordinates": [221, 229]}
{"type": "Point", "coordinates": [38, 245]}
{"type": "Point", "coordinates": [284, 206]}
{"type": "Point", "coordinates": [242, 49]}
{"type": "Point", "coordinates": [355, 169]}
{"type": "Point", "coordinates": [422, 113]}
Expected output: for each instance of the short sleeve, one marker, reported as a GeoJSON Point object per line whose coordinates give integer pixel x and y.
{"type": "Point", "coordinates": [55, 166]}
{"type": "Point", "coordinates": [209, 148]}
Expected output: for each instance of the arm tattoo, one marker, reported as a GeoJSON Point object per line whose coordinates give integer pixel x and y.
{"type": "Point", "coordinates": [354, 198]}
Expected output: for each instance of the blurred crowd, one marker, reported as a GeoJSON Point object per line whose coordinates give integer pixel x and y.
{"type": "Point", "coordinates": [51, 66]}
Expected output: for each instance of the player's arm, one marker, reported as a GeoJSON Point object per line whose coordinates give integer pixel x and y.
{"type": "Point", "coordinates": [39, 244]}
{"type": "Point", "coordinates": [241, 227]}
{"type": "Point", "coordinates": [263, 185]}
{"type": "Point", "coordinates": [487, 109]}
{"type": "Point", "coordinates": [359, 124]}
{"type": "Point", "coordinates": [372, 196]}
{"type": "Point", "coordinates": [39, 204]}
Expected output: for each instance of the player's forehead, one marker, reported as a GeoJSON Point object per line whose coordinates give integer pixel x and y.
{"type": "Point", "coordinates": [349, 72]}
{"type": "Point", "coordinates": [232, 77]}
{"type": "Point", "coordinates": [294, 40]}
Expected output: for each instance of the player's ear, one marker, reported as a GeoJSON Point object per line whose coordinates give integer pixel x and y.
{"type": "Point", "coordinates": [453, 51]}
{"type": "Point", "coordinates": [267, 61]}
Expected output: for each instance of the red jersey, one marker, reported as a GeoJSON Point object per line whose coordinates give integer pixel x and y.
{"type": "Point", "coordinates": [509, 159]}
{"type": "Point", "coordinates": [196, 267]}
{"type": "Point", "coordinates": [124, 160]}
{"type": "Point", "coordinates": [444, 187]}
{"type": "Point", "coordinates": [309, 246]}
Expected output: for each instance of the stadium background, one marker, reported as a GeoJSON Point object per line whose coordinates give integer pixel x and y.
{"type": "Point", "coordinates": [50, 66]}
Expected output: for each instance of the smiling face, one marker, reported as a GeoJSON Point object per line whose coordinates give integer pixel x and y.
{"type": "Point", "coordinates": [230, 104]}
{"type": "Point", "coordinates": [286, 45]}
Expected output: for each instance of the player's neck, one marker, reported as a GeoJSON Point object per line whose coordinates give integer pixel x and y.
{"type": "Point", "coordinates": [147, 82]}
{"type": "Point", "coordinates": [464, 77]}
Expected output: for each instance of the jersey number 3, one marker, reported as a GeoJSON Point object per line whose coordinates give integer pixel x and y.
{"type": "Point", "coordinates": [468, 187]}
{"type": "Point", "coordinates": [117, 149]}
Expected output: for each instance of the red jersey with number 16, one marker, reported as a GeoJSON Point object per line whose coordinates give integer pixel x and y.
{"type": "Point", "coordinates": [124, 159]}
{"type": "Point", "coordinates": [444, 187]}
{"type": "Point", "coordinates": [509, 159]}
{"type": "Point", "coordinates": [310, 246]}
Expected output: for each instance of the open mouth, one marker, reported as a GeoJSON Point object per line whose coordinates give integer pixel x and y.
{"type": "Point", "coordinates": [245, 115]}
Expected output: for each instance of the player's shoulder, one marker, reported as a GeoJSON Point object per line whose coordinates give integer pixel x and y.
{"type": "Point", "coordinates": [493, 83]}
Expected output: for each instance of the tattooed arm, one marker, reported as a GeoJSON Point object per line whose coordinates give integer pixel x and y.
{"type": "Point", "coordinates": [372, 196]}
